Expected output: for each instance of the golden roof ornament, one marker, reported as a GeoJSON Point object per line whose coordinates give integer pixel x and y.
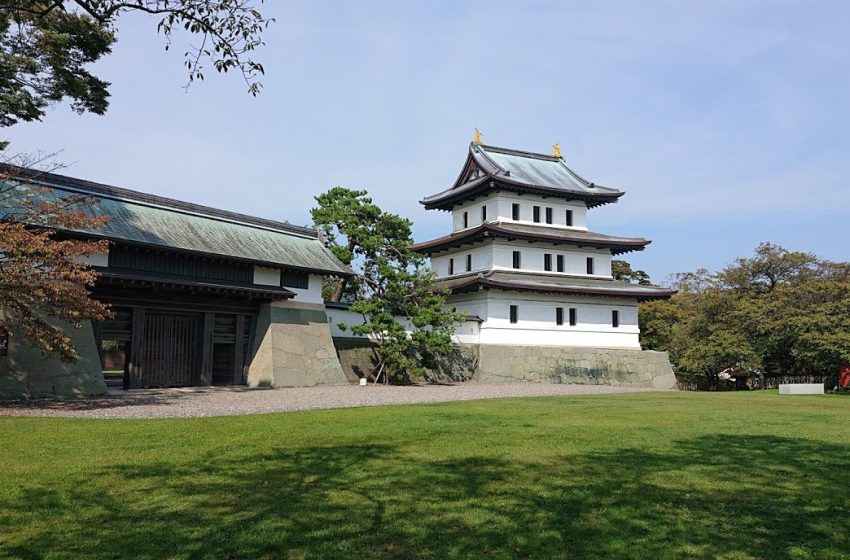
{"type": "Point", "coordinates": [557, 147]}
{"type": "Point", "coordinates": [476, 139]}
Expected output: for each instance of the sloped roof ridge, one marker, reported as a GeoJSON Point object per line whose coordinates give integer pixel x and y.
{"type": "Point", "coordinates": [102, 190]}
{"type": "Point", "coordinates": [540, 156]}
{"type": "Point", "coordinates": [522, 153]}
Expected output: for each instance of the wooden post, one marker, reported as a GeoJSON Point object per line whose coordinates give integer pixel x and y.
{"type": "Point", "coordinates": [207, 349]}
{"type": "Point", "coordinates": [137, 348]}
{"type": "Point", "coordinates": [238, 346]}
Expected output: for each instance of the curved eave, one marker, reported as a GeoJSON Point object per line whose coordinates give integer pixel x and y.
{"type": "Point", "coordinates": [179, 250]}
{"type": "Point", "coordinates": [474, 284]}
{"type": "Point", "coordinates": [485, 232]}
{"type": "Point", "coordinates": [448, 199]}
{"type": "Point", "coordinates": [106, 275]}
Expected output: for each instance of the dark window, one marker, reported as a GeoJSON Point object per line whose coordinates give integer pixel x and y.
{"type": "Point", "coordinates": [569, 217]}
{"type": "Point", "coordinates": [451, 266]}
{"type": "Point", "coordinates": [536, 210]}
{"type": "Point", "coordinates": [514, 313]}
{"type": "Point", "coordinates": [590, 265]}
{"type": "Point", "coordinates": [560, 263]}
{"type": "Point", "coordinates": [548, 215]}
{"type": "Point", "coordinates": [294, 279]}
{"type": "Point", "coordinates": [517, 262]}
{"type": "Point", "coordinates": [559, 315]}
{"type": "Point", "coordinates": [547, 261]}
{"type": "Point", "coordinates": [465, 219]}
{"type": "Point", "coordinates": [572, 316]}
{"type": "Point", "coordinates": [468, 263]}
{"type": "Point", "coordinates": [615, 318]}
{"type": "Point", "coordinates": [483, 213]}
{"type": "Point", "coordinates": [515, 212]}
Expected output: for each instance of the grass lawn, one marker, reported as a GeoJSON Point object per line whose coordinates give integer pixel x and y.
{"type": "Point", "coordinates": [654, 475]}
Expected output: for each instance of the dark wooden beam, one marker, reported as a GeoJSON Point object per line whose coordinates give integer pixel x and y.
{"type": "Point", "coordinates": [137, 348]}
{"type": "Point", "coordinates": [239, 344]}
{"type": "Point", "coordinates": [207, 349]}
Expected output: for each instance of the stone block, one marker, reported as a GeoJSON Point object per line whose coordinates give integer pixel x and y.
{"type": "Point", "coordinates": [294, 348]}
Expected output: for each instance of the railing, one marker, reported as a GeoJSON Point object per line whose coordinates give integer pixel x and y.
{"type": "Point", "coordinates": [774, 382]}
{"type": "Point", "coordinates": [753, 383]}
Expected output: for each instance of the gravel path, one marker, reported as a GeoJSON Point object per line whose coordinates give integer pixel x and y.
{"type": "Point", "coordinates": [232, 401]}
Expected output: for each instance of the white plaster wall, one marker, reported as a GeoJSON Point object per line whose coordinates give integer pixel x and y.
{"type": "Point", "coordinates": [266, 276]}
{"type": "Point", "coordinates": [536, 322]}
{"type": "Point", "coordinates": [346, 317]}
{"type": "Point", "coordinates": [498, 255]}
{"type": "Point", "coordinates": [531, 258]}
{"type": "Point", "coordinates": [505, 202]}
{"type": "Point", "coordinates": [474, 212]}
{"type": "Point", "coordinates": [482, 260]}
{"type": "Point", "coordinates": [499, 208]}
{"type": "Point", "coordinates": [349, 318]}
{"type": "Point", "coordinates": [313, 293]}
{"type": "Point", "coordinates": [95, 259]}
{"type": "Point", "coordinates": [468, 332]}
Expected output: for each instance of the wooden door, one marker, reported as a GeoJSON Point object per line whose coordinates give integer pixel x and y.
{"type": "Point", "coordinates": [171, 351]}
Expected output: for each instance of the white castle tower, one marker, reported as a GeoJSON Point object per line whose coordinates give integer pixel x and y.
{"type": "Point", "coordinates": [521, 259]}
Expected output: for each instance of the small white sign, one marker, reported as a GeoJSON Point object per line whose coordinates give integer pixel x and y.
{"type": "Point", "coordinates": [801, 389]}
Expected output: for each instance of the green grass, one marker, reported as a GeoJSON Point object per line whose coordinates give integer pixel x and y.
{"type": "Point", "coordinates": [664, 475]}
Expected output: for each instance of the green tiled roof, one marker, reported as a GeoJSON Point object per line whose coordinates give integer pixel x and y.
{"type": "Point", "coordinates": [144, 219]}
{"type": "Point", "coordinates": [490, 168]}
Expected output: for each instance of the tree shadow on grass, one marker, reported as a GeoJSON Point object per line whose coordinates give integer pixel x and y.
{"type": "Point", "coordinates": [730, 496]}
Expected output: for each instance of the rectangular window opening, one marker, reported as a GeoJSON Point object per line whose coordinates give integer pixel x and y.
{"type": "Point", "coordinates": [615, 318]}
{"type": "Point", "coordinates": [560, 263]}
{"type": "Point", "coordinates": [514, 313]}
{"type": "Point", "coordinates": [294, 279]}
{"type": "Point", "coordinates": [451, 266]}
{"type": "Point", "coordinates": [572, 316]}
{"type": "Point", "coordinates": [590, 265]}
{"type": "Point", "coordinates": [569, 217]}
{"type": "Point", "coordinates": [468, 263]}
{"type": "Point", "coordinates": [547, 261]}
{"type": "Point", "coordinates": [548, 215]}
{"type": "Point", "coordinates": [536, 217]}
{"type": "Point", "coordinates": [483, 214]}
{"type": "Point", "coordinates": [517, 262]}
{"type": "Point", "coordinates": [465, 219]}
{"type": "Point", "coordinates": [559, 315]}
{"type": "Point", "coordinates": [515, 212]}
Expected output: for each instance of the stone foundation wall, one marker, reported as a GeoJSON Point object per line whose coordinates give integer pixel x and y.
{"type": "Point", "coordinates": [294, 348]}
{"type": "Point", "coordinates": [596, 366]}
{"type": "Point", "coordinates": [358, 360]}
{"type": "Point", "coordinates": [25, 373]}
{"type": "Point", "coordinates": [490, 363]}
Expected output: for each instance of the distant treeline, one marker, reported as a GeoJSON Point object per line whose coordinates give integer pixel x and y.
{"type": "Point", "coordinates": [778, 312]}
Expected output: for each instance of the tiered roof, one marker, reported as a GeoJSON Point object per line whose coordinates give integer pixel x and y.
{"type": "Point", "coordinates": [537, 232]}
{"type": "Point", "coordinates": [549, 283]}
{"type": "Point", "coordinates": [490, 168]}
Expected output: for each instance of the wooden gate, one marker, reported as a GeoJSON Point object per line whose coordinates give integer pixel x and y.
{"type": "Point", "coordinates": [172, 344]}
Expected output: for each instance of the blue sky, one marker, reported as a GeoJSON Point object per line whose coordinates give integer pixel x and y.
{"type": "Point", "coordinates": [726, 123]}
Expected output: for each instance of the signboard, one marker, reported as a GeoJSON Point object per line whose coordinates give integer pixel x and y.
{"type": "Point", "coordinates": [4, 341]}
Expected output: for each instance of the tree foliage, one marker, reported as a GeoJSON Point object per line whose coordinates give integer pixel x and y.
{"type": "Point", "coordinates": [622, 270]}
{"type": "Point", "coordinates": [46, 46]}
{"type": "Point", "coordinates": [42, 277]}
{"type": "Point", "coordinates": [392, 283]}
{"type": "Point", "coordinates": [778, 311]}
